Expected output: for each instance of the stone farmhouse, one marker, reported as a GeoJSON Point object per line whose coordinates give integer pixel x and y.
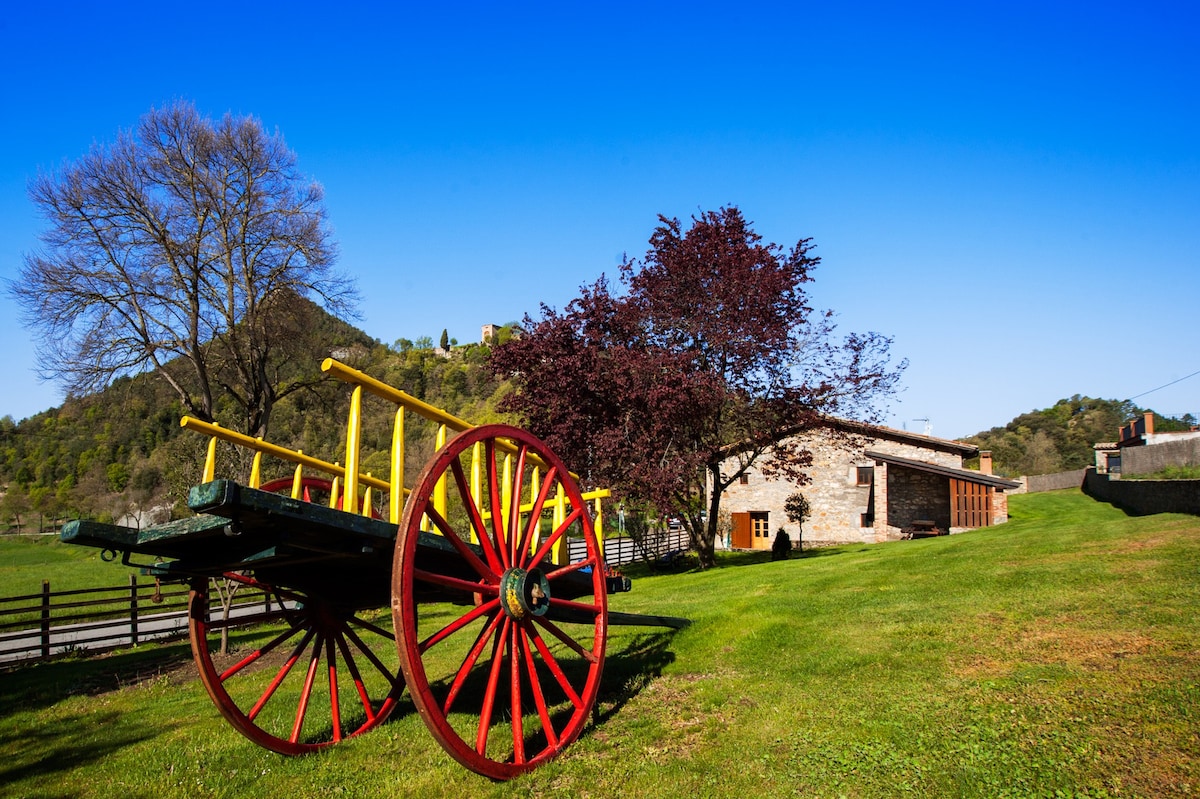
{"type": "Point", "coordinates": [868, 484]}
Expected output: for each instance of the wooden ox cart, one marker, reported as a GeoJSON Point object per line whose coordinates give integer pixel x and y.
{"type": "Point", "coordinates": [463, 591]}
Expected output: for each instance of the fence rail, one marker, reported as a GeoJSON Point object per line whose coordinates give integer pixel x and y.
{"type": "Point", "coordinates": [38, 626]}
{"type": "Point", "coordinates": [626, 550]}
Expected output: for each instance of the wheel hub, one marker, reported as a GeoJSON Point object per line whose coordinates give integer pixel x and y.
{"type": "Point", "coordinates": [524, 593]}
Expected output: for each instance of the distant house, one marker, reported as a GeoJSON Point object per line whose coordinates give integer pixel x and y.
{"type": "Point", "coordinates": [871, 483]}
{"type": "Point", "coordinates": [1140, 450]}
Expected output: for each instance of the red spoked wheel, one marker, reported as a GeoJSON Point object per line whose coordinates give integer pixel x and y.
{"type": "Point", "coordinates": [501, 649]}
{"type": "Point", "coordinates": [317, 678]}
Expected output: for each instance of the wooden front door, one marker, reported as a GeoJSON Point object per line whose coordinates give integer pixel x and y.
{"type": "Point", "coordinates": [739, 537]}
{"type": "Point", "coordinates": [760, 528]}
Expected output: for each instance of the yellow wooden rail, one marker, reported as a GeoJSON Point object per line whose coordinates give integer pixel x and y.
{"type": "Point", "coordinates": [260, 447]}
{"type": "Point", "coordinates": [347, 479]}
{"type": "Point", "coordinates": [446, 422]}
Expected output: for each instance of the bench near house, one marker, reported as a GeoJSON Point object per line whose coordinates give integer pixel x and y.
{"type": "Point", "coordinates": [871, 483]}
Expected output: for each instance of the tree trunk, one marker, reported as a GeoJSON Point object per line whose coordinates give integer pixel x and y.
{"type": "Point", "coordinates": [225, 590]}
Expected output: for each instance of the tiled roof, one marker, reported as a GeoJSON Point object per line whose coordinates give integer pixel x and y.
{"type": "Point", "coordinates": [946, 471]}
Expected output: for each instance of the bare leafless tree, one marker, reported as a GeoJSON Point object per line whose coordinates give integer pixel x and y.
{"type": "Point", "coordinates": [186, 246]}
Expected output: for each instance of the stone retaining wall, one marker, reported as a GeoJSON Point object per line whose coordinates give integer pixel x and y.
{"type": "Point", "coordinates": [1053, 482]}
{"type": "Point", "coordinates": [1144, 497]}
{"type": "Point", "coordinates": [1155, 458]}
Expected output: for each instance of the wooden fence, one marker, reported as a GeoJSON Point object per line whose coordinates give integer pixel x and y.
{"type": "Point", "coordinates": [626, 550]}
{"type": "Point", "coordinates": [38, 626]}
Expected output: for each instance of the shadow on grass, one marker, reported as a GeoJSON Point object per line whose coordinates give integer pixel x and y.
{"type": "Point", "coordinates": [628, 672]}
{"type": "Point", "coordinates": [37, 685]}
{"type": "Point", "coordinates": [64, 744]}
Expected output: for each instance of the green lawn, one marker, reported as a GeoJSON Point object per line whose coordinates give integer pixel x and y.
{"type": "Point", "coordinates": [1057, 655]}
{"type": "Point", "coordinates": [27, 560]}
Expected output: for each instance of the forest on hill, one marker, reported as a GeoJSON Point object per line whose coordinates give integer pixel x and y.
{"type": "Point", "coordinates": [1061, 438]}
{"type": "Point", "coordinates": [121, 454]}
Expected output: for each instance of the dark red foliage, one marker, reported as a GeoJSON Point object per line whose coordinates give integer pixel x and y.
{"type": "Point", "coordinates": [713, 353]}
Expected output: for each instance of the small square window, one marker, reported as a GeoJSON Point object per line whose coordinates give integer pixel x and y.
{"type": "Point", "coordinates": [865, 520]}
{"type": "Point", "coordinates": [743, 479]}
{"type": "Point", "coordinates": [866, 474]}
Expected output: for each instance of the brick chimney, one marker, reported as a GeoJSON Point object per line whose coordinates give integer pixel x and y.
{"type": "Point", "coordinates": [1149, 423]}
{"type": "Point", "coordinates": [985, 461]}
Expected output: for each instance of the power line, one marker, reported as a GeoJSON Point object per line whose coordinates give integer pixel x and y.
{"type": "Point", "coordinates": [1160, 388]}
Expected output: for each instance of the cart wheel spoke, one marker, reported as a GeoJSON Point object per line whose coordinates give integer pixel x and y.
{"type": "Point", "coordinates": [460, 623]}
{"type": "Point", "coordinates": [366, 625]}
{"type": "Point", "coordinates": [514, 687]}
{"type": "Point", "coordinates": [364, 698]}
{"type": "Point", "coordinates": [287, 709]}
{"type": "Point", "coordinates": [476, 520]}
{"type": "Point", "coordinates": [306, 692]}
{"type": "Point", "coordinates": [484, 571]}
{"type": "Point", "coordinates": [469, 663]}
{"type": "Point", "coordinates": [258, 653]}
{"type": "Point", "coordinates": [489, 696]}
{"type": "Point", "coordinates": [551, 662]}
{"type": "Point", "coordinates": [281, 595]}
{"type": "Point", "coordinates": [335, 710]}
{"type": "Point", "coordinates": [447, 581]}
{"type": "Point", "coordinates": [539, 698]}
{"type": "Point", "coordinates": [571, 567]}
{"type": "Point", "coordinates": [512, 524]}
{"type": "Point", "coordinates": [535, 517]}
{"type": "Point", "coordinates": [280, 676]}
{"type": "Point", "coordinates": [388, 674]}
{"type": "Point", "coordinates": [567, 640]}
{"type": "Point", "coordinates": [497, 694]}
{"type": "Point", "coordinates": [498, 536]}
{"type": "Point", "coordinates": [554, 537]}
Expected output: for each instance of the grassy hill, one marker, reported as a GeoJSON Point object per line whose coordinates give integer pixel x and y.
{"type": "Point", "coordinates": [1057, 655]}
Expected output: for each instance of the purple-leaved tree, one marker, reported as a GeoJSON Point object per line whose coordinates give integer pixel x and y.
{"type": "Point", "coordinates": [711, 356]}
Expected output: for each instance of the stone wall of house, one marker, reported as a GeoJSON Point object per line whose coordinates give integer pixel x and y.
{"type": "Point", "coordinates": [999, 506]}
{"type": "Point", "coordinates": [914, 495]}
{"type": "Point", "coordinates": [838, 501]}
{"type": "Point", "coordinates": [843, 510]}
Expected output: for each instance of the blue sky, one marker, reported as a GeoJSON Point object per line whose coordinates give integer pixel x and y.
{"type": "Point", "coordinates": [1010, 190]}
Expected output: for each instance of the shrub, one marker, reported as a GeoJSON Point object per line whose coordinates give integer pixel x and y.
{"type": "Point", "coordinates": [781, 546]}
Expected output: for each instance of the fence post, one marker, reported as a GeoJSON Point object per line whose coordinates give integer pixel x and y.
{"type": "Point", "coordinates": [45, 618]}
{"type": "Point", "coordinates": [133, 609]}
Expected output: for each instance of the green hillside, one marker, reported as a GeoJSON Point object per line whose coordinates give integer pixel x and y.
{"type": "Point", "coordinates": [1056, 655]}
{"type": "Point", "coordinates": [122, 451]}
{"type": "Point", "coordinates": [1060, 438]}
